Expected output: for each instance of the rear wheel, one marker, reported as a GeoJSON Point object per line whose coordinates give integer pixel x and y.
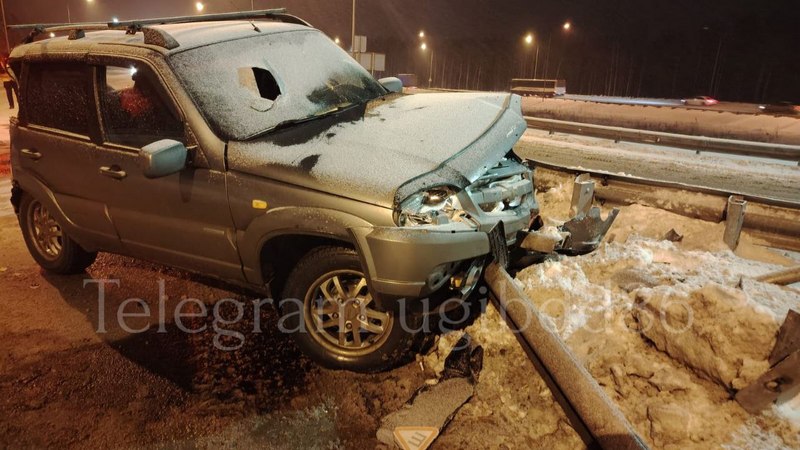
{"type": "Point", "coordinates": [342, 326]}
{"type": "Point", "coordinates": [47, 242]}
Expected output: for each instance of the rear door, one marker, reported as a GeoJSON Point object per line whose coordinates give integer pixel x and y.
{"type": "Point", "coordinates": [181, 219]}
{"type": "Point", "coordinates": [53, 142]}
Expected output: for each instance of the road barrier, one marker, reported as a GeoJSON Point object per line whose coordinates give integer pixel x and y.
{"type": "Point", "coordinates": [775, 222]}
{"type": "Point", "coordinates": [698, 143]}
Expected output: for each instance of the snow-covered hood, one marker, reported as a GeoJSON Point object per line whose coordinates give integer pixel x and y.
{"type": "Point", "coordinates": [391, 148]}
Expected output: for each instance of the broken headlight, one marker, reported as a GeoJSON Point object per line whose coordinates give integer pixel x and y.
{"type": "Point", "coordinates": [436, 206]}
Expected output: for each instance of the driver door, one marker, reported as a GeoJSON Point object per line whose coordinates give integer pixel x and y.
{"type": "Point", "coordinates": [182, 219]}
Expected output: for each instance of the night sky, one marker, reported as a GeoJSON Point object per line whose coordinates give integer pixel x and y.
{"type": "Point", "coordinates": [649, 48]}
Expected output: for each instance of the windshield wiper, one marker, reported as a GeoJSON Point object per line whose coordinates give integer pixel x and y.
{"type": "Point", "coordinates": [316, 116]}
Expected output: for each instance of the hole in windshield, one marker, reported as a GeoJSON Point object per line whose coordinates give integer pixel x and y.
{"type": "Point", "coordinates": [267, 85]}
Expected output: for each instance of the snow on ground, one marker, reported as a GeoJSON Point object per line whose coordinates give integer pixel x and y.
{"type": "Point", "coordinates": [669, 329]}
{"type": "Point", "coordinates": [763, 128]}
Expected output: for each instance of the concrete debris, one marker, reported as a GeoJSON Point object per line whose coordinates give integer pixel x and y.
{"type": "Point", "coordinates": [433, 406]}
{"type": "Point", "coordinates": [673, 236]}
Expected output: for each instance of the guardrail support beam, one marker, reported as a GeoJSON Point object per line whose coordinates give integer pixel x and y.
{"type": "Point", "coordinates": [734, 219]}
{"type": "Point", "coordinates": [582, 196]}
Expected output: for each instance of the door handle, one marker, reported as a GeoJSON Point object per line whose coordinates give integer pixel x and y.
{"type": "Point", "coordinates": [32, 154]}
{"type": "Point", "coordinates": [114, 172]}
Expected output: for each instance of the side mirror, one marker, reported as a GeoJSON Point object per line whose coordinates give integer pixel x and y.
{"type": "Point", "coordinates": [392, 84]}
{"type": "Point", "coordinates": [162, 158]}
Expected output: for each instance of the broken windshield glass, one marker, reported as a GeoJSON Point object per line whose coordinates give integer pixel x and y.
{"type": "Point", "coordinates": [247, 87]}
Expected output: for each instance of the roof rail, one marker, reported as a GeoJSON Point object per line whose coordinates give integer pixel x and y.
{"type": "Point", "coordinates": [153, 36]}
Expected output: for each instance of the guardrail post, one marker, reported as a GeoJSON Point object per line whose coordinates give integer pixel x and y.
{"type": "Point", "coordinates": [734, 219]}
{"type": "Point", "coordinates": [582, 196]}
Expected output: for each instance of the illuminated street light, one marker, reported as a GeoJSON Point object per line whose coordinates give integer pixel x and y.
{"type": "Point", "coordinates": [424, 46]}
{"type": "Point", "coordinates": [199, 6]}
{"type": "Point", "coordinates": [115, 19]}
{"type": "Point", "coordinates": [529, 39]}
{"type": "Point", "coordinates": [567, 26]}
{"type": "Point", "coordinates": [421, 34]}
{"type": "Point", "coordinates": [338, 41]}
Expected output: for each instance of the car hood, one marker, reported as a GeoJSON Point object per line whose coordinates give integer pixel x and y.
{"type": "Point", "coordinates": [384, 151]}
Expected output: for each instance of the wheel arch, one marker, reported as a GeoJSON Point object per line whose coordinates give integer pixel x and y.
{"type": "Point", "coordinates": [281, 252]}
{"type": "Point", "coordinates": [282, 236]}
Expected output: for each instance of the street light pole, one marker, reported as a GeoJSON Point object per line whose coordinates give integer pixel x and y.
{"type": "Point", "coordinates": [353, 35]}
{"type": "Point", "coordinates": [430, 72]}
{"type": "Point", "coordinates": [5, 25]}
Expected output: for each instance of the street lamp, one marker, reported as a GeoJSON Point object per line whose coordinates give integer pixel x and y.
{"type": "Point", "coordinates": [69, 13]}
{"type": "Point", "coordinates": [338, 41]}
{"type": "Point", "coordinates": [567, 26]}
{"type": "Point", "coordinates": [199, 6]}
{"type": "Point", "coordinates": [353, 35]}
{"type": "Point", "coordinates": [421, 34]}
{"type": "Point", "coordinates": [424, 47]}
{"type": "Point", "coordinates": [529, 41]}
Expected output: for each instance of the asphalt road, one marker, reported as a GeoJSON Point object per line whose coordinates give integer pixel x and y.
{"type": "Point", "coordinates": [734, 107]}
{"type": "Point", "coordinates": [756, 177]}
{"type": "Point", "coordinates": [65, 384]}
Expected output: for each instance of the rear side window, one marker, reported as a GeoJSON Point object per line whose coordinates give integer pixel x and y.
{"type": "Point", "coordinates": [58, 96]}
{"type": "Point", "coordinates": [136, 109]}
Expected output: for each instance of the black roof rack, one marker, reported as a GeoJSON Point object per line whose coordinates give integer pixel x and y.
{"type": "Point", "coordinates": [153, 36]}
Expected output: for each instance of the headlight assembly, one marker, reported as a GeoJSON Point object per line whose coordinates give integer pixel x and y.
{"type": "Point", "coordinates": [436, 206]}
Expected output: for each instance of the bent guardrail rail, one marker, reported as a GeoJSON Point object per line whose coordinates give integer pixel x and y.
{"type": "Point", "coordinates": [594, 416]}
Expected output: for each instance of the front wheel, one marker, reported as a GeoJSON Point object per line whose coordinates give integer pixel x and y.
{"type": "Point", "coordinates": [335, 321]}
{"type": "Point", "coordinates": [47, 242]}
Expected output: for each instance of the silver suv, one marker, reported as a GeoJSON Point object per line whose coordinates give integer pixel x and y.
{"type": "Point", "coordinates": [253, 149]}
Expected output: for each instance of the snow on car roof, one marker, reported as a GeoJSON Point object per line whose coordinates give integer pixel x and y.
{"type": "Point", "coordinates": [188, 35]}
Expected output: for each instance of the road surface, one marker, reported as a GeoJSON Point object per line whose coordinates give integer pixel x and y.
{"type": "Point", "coordinates": [733, 107]}
{"type": "Point", "coordinates": [772, 179]}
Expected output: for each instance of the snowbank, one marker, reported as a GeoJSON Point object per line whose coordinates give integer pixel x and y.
{"type": "Point", "coordinates": [618, 309]}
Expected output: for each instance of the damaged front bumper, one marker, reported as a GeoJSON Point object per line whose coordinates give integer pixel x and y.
{"type": "Point", "coordinates": [417, 262]}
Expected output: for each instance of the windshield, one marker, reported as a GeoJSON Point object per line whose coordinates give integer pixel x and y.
{"type": "Point", "coordinates": [248, 87]}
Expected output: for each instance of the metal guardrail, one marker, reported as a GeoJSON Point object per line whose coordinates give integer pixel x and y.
{"type": "Point", "coordinates": [775, 222]}
{"type": "Point", "coordinates": [684, 141]}
{"type": "Point", "coordinates": [594, 416]}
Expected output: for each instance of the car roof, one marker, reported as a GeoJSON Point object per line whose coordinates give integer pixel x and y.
{"type": "Point", "coordinates": [188, 36]}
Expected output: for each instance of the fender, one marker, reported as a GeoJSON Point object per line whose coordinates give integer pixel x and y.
{"type": "Point", "coordinates": [308, 221]}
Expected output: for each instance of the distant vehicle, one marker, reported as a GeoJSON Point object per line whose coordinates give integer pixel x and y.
{"type": "Point", "coordinates": [539, 88]}
{"type": "Point", "coordinates": [780, 108]}
{"type": "Point", "coordinates": [700, 100]}
{"type": "Point", "coordinates": [409, 80]}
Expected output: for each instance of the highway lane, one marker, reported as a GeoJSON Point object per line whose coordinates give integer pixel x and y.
{"type": "Point", "coordinates": [733, 107]}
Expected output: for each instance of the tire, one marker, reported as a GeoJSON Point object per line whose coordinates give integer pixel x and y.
{"type": "Point", "coordinates": [47, 241]}
{"type": "Point", "coordinates": [325, 340]}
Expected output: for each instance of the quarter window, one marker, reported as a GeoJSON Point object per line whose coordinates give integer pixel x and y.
{"type": "Point", "coordinates": [136, 109]}
{"type": "Point", "coordinates": [58, 96]}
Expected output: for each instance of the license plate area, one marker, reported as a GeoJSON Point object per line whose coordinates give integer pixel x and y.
{"type": "Point", "coordinates": [498, 244]}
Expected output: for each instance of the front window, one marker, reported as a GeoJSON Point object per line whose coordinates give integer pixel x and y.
{"type": "Point", "coordinates": [247, 87]}
{"type": "Point", "coordinates": [136, 111]}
